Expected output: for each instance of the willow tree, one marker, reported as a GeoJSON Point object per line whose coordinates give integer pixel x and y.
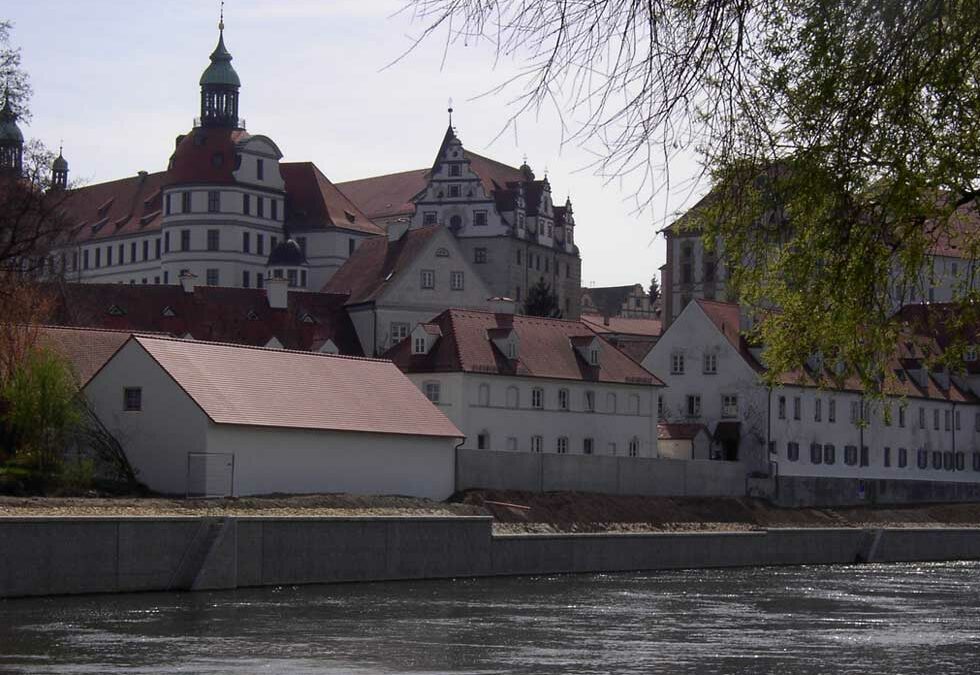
{"type": "Point", "coordinates": [840, 139]}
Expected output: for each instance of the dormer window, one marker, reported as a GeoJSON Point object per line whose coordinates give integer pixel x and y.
{"type": "Point", "coordinates": [116, 310]}
{"type": "Point", "coordinates": [418, 345]}
{"type": "Point", "coordinates": [512, 350]}
{"type": "Point", "coordinates": [594, 356]}
{"type": "Point", "coordinates": [168, 312]}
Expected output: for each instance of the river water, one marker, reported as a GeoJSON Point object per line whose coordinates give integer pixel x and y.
{"type": "Point", "coordinates": [921, 618]}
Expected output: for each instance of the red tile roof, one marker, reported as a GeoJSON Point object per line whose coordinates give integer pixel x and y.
{"type": "Point", "coordinates": [86, 349]}
{"type": "Point", "coordinates": [239, 315]}
{"type": "Point", "coordinates": [623, 326]}
{"type": "Point", "coordinates": [132, 206]}
{"type": "Point", "coordinates": [726, 318]}
{"type": "Point", "coordinates": [387, 196]}
{"type": "Point", "coordinates": [546, 350]}
{"type": "Point", "coordinates": [376, 262]}
{"type": "Point", "coordinates": [315, 203]}
{"type": "Point", "coordinates": [300, 390]}
{"type": "Point", "coordinates": [391, 195]}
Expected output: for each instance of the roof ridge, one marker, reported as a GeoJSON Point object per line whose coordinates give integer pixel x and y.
{"type": "Point", "coordinates": [527, 317]}
{"type": "Point", "coordinates": [95, 329]}
{"type": "Point", "coordinates": [383, 175]}
{"type": "Point", "coordinates": [218, 343]}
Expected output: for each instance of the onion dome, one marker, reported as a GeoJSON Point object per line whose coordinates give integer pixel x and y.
{"type": "Point", "coordinates": [9, 131]}
{"type": "Point", "coordinates": [287, 254]}
{"type": "Point", "coordinates": [60, 163]}
{"type": "Point", "coordinates": [220, 71]}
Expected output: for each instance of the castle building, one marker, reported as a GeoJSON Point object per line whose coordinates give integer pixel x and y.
{"type": "Point", "coordinates": [226, 209]}
{"type": "Point", "coordinates": [503, 218]}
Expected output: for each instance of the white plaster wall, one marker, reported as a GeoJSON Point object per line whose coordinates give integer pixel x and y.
{"type": "Point", "coordinates": [158, 438]}
{"type": "Point", "coordinates": [260, 147]}
{"type": "Point", "coordinates": [306, 461]}
{"type": "Point", "coordinates": [459, 400]}
{"type": "Point", "coordinates": [693, 335]}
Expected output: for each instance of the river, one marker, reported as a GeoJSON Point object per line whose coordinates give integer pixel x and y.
{"type": "Point", "coordinates": [922, 618]}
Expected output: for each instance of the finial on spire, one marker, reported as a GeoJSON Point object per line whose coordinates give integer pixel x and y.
{"type": "Point", "coordinates": [221, 21]}
{"type": "Point", "coordinates": [450, 111]}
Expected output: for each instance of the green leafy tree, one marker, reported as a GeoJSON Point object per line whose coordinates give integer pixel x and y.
{"type": "Point", "coordinates": [542, 301]}
{"type": "Point", "coordinates": [42, 410]}
{"type": "Point", "coordinates": [841, 139]}
{"type": "Point", "coordinates": [654, 290]}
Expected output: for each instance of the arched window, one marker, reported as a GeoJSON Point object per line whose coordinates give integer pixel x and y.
{"type": "Point", "coordinates": [484, 394]}
{"type": "Point", "coordinates": [634, 447]}
{"type": "Point", "coordinates": [513, 397]}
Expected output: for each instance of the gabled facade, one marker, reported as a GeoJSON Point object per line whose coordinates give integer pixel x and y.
{"type": "Point", "coordinates": [925, 429]}
{"type": "Point", "coordinates": [628, 302]}
{"type": "Point", "coordinates": [528, 384]}
{"type": "Point", "coordinates": [503, 217]}
{"type": "Point", "coordinates": [393, 284]}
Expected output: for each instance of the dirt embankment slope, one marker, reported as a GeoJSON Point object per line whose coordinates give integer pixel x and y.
{"type": "Point", "coordinates": [516, 512]}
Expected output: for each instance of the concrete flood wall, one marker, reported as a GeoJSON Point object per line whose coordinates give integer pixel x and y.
{"type": "Point", "coordinates": [48, 556]}
{"type": "Point", "coordinates": [800, 491]}
{"type": "Point", "coordinates": [548, 472]}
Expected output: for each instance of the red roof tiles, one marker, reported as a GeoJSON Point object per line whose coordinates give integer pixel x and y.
{"type": "Point", "coordinates": [377, 261]}
{"type": "Point", "coordinates": [623, 326]}
{"type": "Point", "coordinates": [545, 350]}
{"type": "Point", "coordinates": [299, 390]}
{"type": "Point", "coordinates": [313, 202]}
{"type": "Point", "coordinates": [239, 315]}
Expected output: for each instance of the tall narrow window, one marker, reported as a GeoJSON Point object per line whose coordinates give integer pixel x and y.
{"type": "Point", "coordinates": [677, 363]}
{"type": "Point", "coordinates": [537, 398]}
{"type": "Point", "coordinates": [782, 407]}
{"type": "Point", "coordinates": [214, 240]}
{"type": "Point", "coordinates": [537, 443]}
{"type": "Point", "coordinates": [693, 405]}
{"type": "Point", "coordinates": [246, 242]}
{"type": "Point", "coordinates": [274, 209]}
{"type": "Point", "coordinates": [247, 205]}
{"type": "Point", "coordinates": [634, 447]}
{"type": "Point", "coordinates": [563, 399]}
{"type": "Point", "coordinates": [428, 279]}
{"type": "Point", "coordinates": [590, 401]}
{"type": "Point", "coordinates": [483, 396]}
{"type": "Point", "coordinates": [185, 202]}
{"type": "Point", "coordinates": [214, 201]}
{"type": "Point", "coordinates": [185, 240]}
{"type": "Point", "coordinates": [587, 446]}
{"type": "Point", "coordinates": [710, 363]}
{"type": "Point", "coordinates": [561, 445]}
{"type": "Point", "coordinates": [817, 409]}
{"type": "Point", "coordinates": [260, 169]}
{"type": "Point", "coordinates": [456, 281]}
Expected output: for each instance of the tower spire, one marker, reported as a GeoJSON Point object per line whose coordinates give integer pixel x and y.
{"type": "Point", "coordinates": [450, 112]}
{"type": "Point", "coordinates": [221, 21]}
{"type": "Point", "coordinates": [220, 85]}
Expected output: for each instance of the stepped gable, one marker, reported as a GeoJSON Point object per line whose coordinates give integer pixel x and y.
{"type": "Point", "coordinates": [300, 390]}
{"type": "Point", "coordinates": [212, 313]}
{"type": "Point", "coordinates": [375, 263]}
{"type": "Point", "coordinates": [313, 202]}
{"type": "Point", "coordinates": [546, 349]}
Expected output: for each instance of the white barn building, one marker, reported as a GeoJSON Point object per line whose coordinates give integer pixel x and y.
{"type": "Point", "coordinates": [216, 419]}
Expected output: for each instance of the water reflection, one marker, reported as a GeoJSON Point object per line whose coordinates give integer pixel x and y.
{"type": "Point", "coordinates": [887, 619]}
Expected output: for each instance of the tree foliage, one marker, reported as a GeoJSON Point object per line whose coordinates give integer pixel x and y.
{"type": "Point", "coordinates": [654, 290]}
{"type": "Point", "coordinates": [542, 301]}
{"type": "Point", "coordinates": [841, 139]}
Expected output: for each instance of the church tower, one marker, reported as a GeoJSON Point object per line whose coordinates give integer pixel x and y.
{"type": "Point", "coordinates": [59, 172]}
{"type": "Point", "coordinates": [11, 141]}
{"type": "Point", "coordinates": [219, 88]}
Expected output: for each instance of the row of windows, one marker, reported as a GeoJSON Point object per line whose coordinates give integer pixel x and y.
{"type": "Point", "coordinates": [456, 221]}
{"type": "Point", "coordinates": [854, 456]}
{"type": "Point", "coordinates": [692, 406]}
{"type": "Point", "coordinates": [561, 446]}
{"type": "Point", "coordinates": [678, 363]}
{"type": "Point", "coordinates": [215, 204]}
{"type": "Point", "coordinates": [428, 280]}
{"type": "Point", "coordinates": [941, 419]}
{"type": "Point", "coordinates": [103, 256]}
{"type": "Point", "coordinates": [560, 400]}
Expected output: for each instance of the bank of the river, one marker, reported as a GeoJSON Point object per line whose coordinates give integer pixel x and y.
{"type": "Point", "coordinates": [521, 512]}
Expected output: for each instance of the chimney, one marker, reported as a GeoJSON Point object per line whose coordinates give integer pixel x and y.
{"type": "Point", "coordinates": [277, 289]}
{"type": "Point", "coordinates": [500, 305]}
{"type": "Point", "coordinates": [398, 228]}
{"type": "Point", "coordinates": [188, 281]}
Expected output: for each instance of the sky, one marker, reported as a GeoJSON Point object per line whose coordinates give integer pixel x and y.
{"type": "Point", "coordinates": [118, 81]}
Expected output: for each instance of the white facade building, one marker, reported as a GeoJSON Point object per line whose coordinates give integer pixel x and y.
{"type": "Point", "coordinates": [216, 419]}
{"type": "Point", "coordinates": [527, 384]}
{"type": "Point", "coordinates": [925, 429]}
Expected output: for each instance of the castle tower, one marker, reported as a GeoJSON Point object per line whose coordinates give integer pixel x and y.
{"type": "Point", "coordinates": [11, 141]}
{"type": "Point", "coordinates": [59, 172]}
{"type": "Point", "coordinates": [219, 88]}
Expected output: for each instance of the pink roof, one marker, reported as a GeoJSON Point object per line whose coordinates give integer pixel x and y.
{"type": "Point", "coordinates": [86, 349]}
{"type": "Point", "coordinates": [623, 326]}
{"type": "Point", "coordinates": [298, 390]}
{"type": "Point", "coordinates": [680, 432]}
{"type": "Point", "coordinates": [546, 350]}
{"type": "Point", "coordinates": [316, 203]}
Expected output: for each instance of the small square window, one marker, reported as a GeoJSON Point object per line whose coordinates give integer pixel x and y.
{"type": "Point", "coordinates": [133, 399]}
{"type": "Point", "coordinates": [429, 218]}
{"type": "Point", "coordinates": [454, 190]}
{"type": "Point", "coordinates": [432, 391]}
{"type": "Point", "coordinates": [479, 255]}
{"type": "Point", "coordinates": [455, 170]}
{"type": "Point", "coordinates": [479, 218]}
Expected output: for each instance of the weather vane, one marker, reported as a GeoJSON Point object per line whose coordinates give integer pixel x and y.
{"type": "Point", "coordinates": [221, 22]}
{"type": "Point", "coordinates": [450, 111]}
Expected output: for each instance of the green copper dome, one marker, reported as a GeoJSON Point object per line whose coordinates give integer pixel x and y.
{"type": "Point", "coordinates": [221, 72]}
{"type": "Point", "coordinates": [60, 163]}
{"type": "Point", "coordinates": [9, 131]}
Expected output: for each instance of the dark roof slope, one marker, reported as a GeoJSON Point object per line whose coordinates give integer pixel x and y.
{"type": "Point", "coordinates": [546, 350]}
{"type": "Point", "coordinates": [313, 202]}
{"type": "Point", "coordinates": [212, 313]}
{"type": "Point", "coordinates": [376, 262]}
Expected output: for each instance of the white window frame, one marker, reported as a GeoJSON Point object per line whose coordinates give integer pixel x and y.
{"type": "Point", "coordinates": [710, 363]}
{"type": "Point", "coordinates": [456, 280]}
{"type": "Point", "coordinates": [677, 363]}
{"type": "Point", "coordinates": [432, 390]}
{"type": "Point", "coordinates": [537, 398]}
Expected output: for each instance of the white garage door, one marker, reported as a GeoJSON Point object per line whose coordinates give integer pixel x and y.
{"type": "Point", "coordinates": [210, 474]}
